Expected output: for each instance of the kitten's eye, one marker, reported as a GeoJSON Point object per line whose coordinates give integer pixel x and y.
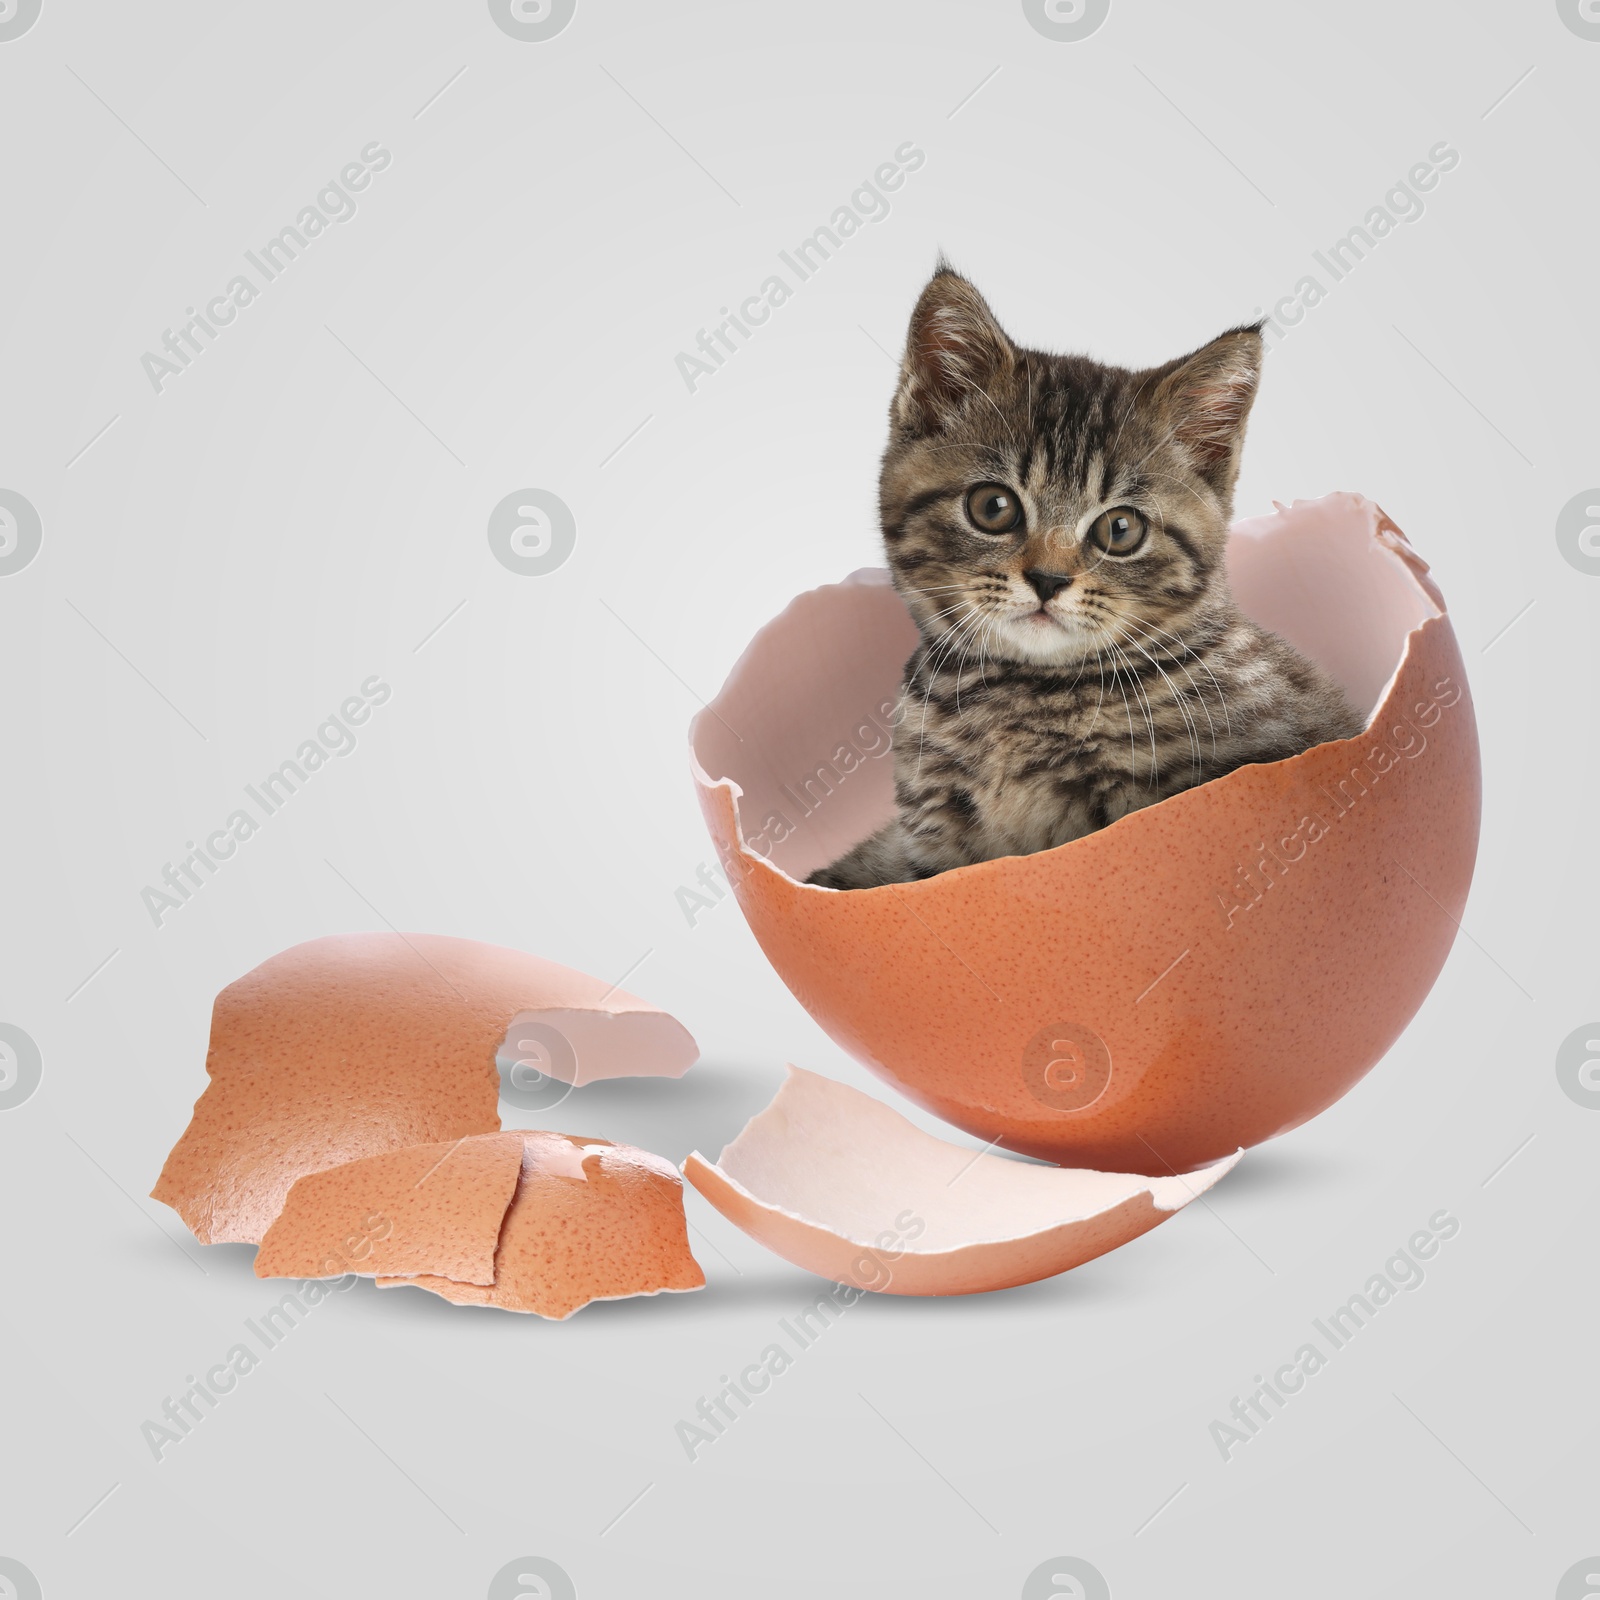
{"type": "Point", "coordinates": [993, 508]}
{"type": "Point", "coordinates": [1119, 532]}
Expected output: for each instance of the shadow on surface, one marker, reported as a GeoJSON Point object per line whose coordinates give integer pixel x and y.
{"type": "Point", "coordinates": [1277, 1170]}
{"type": "Point", "coordinates": [702, 1110]}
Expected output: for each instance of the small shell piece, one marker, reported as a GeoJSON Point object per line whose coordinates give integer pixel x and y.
{"type": "Point", "coordinates": [840, 1184]}
{"type": "Point", "coordinates": [591, 1220]}
{"type": "Point", "coordinates": [427, 1208]}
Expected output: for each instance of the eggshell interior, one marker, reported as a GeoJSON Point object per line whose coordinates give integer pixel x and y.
{"type": "Point", "coordinates": [603, 1043]}
{"type": "Point", "coordinates": [846, 1187]}
{"type": "Point", "coordinates": [590, 1220]}
{"type": "Point", "coordinates": [428, 1208]}
{"type": "Point", "coordinates": [1203, 974]}
{"type": "Point", "coordinates": [355, 1044]}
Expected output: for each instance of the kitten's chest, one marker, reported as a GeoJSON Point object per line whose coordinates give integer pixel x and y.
{"type": "Point", "coordinates": [1039, 767]}
{"type": "Point", "coordinates": [1040, 786]}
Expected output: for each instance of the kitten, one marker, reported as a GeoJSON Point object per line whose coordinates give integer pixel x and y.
{"type": "Point", "coordinates": [1058, 530]}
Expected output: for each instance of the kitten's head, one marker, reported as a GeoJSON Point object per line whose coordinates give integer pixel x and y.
{"type": "Point", "coordinates": [1042, 508]}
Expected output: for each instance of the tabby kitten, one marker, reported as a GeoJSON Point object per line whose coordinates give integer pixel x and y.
{"type": "Point", "coordinates": [1058, 529]}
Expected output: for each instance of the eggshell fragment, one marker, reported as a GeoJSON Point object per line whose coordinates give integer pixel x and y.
{"type": "Point", "coordinates": [1203, 974]}
{"type": "Point", "coordinates": [427, 1208]}
{"type": "Point", "coordinates": [840, 1184]}
{"type": "Point", "coordinates": [351, 1045]}
{"type": "Point", "coordinates": [591, 1220]}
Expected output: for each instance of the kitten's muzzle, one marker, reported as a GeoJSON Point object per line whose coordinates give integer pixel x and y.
{"type": "Point", "coordinates": [1047, 585]}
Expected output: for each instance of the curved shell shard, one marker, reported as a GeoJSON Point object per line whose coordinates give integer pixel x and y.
{"type": "Point", "coordinates": [842, 1185]}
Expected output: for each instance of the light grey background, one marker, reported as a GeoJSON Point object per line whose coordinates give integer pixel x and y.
{"type": "Point", "coordinates": [223, 562]}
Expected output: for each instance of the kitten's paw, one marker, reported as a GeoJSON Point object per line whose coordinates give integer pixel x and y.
{"type": "Point", "coordinates": [828, 878]}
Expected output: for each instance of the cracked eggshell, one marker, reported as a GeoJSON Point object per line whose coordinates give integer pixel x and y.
{"type": "Point", "coordinates": [428, 1208]}
{"type": "Point", "coordinates": [1199, 976]}
{"type": "Point", "coordinates": [351, 1045]}
{"type": "Point", "coordinates": [840, 1184]}
{"type": "Point", "coordinates": [590, 1220]}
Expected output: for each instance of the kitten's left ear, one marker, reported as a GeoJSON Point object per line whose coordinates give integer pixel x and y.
{"type": "Point", "coordinates": [1204, 402]}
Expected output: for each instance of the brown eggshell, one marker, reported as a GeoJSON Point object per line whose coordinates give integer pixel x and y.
{"type": "Point", "coordinates": [1204, 973]}
{"type": "Point", "coordinates": [359, 1043]}
{"type": "Point", "coordinates": [591, 1220]}
{"type": "Point", "coordinates": [428, 1208]}
{"type": "Point", "coordinates": [840, 1184]}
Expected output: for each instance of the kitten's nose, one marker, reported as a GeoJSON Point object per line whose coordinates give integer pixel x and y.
{"type": "Point", "coordinates": [1047, 585]}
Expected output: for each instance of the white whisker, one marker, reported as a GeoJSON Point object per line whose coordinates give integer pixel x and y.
{"type": "Point", "coordinates": [1183, 709]}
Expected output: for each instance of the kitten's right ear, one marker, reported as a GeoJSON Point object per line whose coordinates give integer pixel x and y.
{"type": "Point", "coordinates": [954, 349]}
{"type": "Point", "coordinates": [1204, 400]}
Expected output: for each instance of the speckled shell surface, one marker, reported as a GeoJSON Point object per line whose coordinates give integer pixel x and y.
{"type": "Point", "coordinates": [351, 1045]}
{"type": "Point", "coordinates": [1199, 976]}
{"type": "Point", "coordinates": [591, 1220]}
{"type": "Point", "coordinates": [428, 1208]}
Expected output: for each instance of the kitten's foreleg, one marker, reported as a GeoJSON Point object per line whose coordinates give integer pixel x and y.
{"type": "Point", "coordinates": [884, 857]}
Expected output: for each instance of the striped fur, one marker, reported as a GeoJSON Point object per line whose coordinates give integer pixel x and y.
{"type": "Point", "coordinates": [1029, 718]}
